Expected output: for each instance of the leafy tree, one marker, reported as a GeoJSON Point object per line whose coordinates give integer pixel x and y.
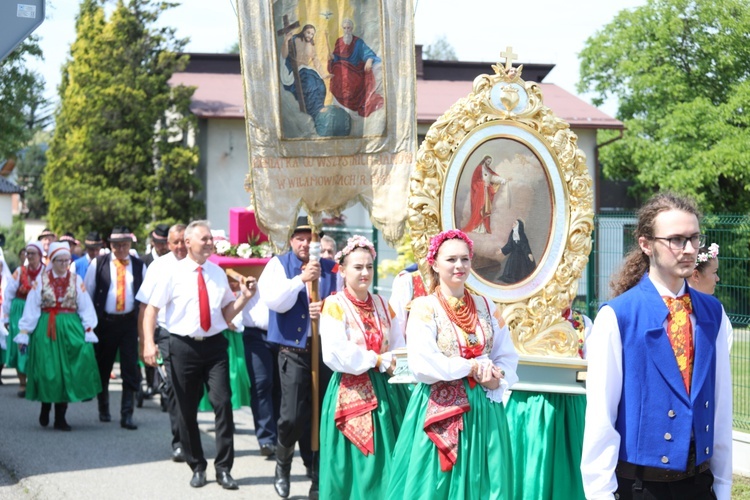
{"type": "Point", "coordinates": [440, 50]}
{"type": "Point", "coordinates": [30, 175]}
{"type": "Point", "coordinates": [119, 154]}
{"type": "Point", "coordinates": [20, 96]}
{"type": "Point", "coordinates": [14, 242]}
{"type": "Point", "coordinates": [679, 69]}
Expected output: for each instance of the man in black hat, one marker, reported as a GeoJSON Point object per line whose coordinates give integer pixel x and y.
{"type": "Point", "coordinates": [113, 281]}
{"type": "Point", "coordinates": [159, 242]}
{"type": "Point", "coordinates": [93, 245]}
{"type": "Point", "coordinates": [46, 237]}
{"type": "Point", "coordinates": [285, 284]}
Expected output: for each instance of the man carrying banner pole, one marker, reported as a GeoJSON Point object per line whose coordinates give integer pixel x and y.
{"type": "Point", "coordinates": [290, 290]}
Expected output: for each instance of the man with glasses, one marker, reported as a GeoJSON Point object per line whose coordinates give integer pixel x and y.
{"type": "Point", "coordinates": [659, 393]}
{"type": "Point", "coordinates": [113, 281]}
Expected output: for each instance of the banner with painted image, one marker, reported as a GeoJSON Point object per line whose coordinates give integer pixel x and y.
{"type": "Point", "coordinates": [330, 98]}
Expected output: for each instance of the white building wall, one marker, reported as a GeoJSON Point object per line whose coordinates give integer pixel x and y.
{"type": "Point", "coordinates": [6, 210]}
{"type": "Point", "coordinates": [226, 163]}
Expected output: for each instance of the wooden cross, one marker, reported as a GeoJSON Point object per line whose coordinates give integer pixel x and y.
{"type": "Point", "coordinates": [509, 56]}
{"type": "Point", "coordinates": [293, 55]}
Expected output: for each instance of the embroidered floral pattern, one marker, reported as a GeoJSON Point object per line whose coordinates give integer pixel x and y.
{"type": "Point", "coordinates": [445, 408]}
{"type": "Point", "coordinates": [354, 406]}
{"type": "Point", "coordinates": [59, 293]}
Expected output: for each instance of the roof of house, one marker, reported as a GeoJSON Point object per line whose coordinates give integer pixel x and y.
{"type": "Point", "coordinates": [7, 187]}
{"type": "Point", "coordinates": [219, 90]}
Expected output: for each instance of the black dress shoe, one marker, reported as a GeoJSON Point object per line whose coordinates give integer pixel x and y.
{"type": "Point", "coordinates": [178, 455]}
{"type": "Point", "coordinates": [226, 481]}
{"type": "Point", "coordinates": [267, 450]}
{"type": "Point", "coordinates": [62, 426]}
{"type": "Point", "coordinates": [105, 417]}
{"type": "Point", "coordinates": [21, 393]}
{"type": "Point", "coordinates": [127, 423]}
{"type": "Point", "coordinates": [199, 479]}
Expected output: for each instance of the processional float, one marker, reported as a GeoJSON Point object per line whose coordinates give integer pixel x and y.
{"type": "Point", "coordinates": [502, 167]}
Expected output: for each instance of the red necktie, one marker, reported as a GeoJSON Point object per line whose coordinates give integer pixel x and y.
{"type": "Point", "coordinates": [203, 302]}
{"type": "Point", "coordinates": [680, 333]}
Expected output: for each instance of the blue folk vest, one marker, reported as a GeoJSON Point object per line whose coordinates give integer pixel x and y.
{"type": "Point", "coordinates": [656, 417]}
{"type": "Point", "coordinates": [290, 328]}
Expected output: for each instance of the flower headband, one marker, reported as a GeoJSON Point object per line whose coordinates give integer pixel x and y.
{"type": "Point", "coordinates": [711, 253]}
{"type": "Point", "coordinates": [352, 244]}
{"type": "Point", "coordinates": [452, 234]}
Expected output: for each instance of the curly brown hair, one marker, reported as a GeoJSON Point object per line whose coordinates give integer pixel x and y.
{"type": "Point", "coordinates": [636, 262]}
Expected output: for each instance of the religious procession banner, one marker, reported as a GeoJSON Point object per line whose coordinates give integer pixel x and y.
{"type": "Point", "coordinates": [330, 105]}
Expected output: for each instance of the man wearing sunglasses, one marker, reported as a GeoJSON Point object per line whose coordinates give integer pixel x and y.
{"type": "Point", "coordinates": [659, 393]}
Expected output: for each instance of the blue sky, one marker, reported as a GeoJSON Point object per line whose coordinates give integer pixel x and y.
{"type": "Point", "coordinates": [544, 31]}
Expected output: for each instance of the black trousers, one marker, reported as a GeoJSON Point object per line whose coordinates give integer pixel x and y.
{"type": "Point", "coordinates": [262, 359]}
{"type": "Point", "coordinates": [295, 375]}
{"type": "Point", "coordinates": [194, 364]}
{"type": "Point", "coordinates": [698, 487]}
{"type": "Point", "coordinates": [118, 334]}
{"type": "Point", "coordinates": [162, 340]}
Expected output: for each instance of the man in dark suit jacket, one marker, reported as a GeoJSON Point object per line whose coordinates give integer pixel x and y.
{"type": "Point", "coordinates": [113, 281]}
{"type": "Point", "coordinates": [159, 243]}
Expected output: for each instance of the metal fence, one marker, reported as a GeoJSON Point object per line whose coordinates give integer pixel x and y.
{"type": "Point", "coordinates": [613, 239]}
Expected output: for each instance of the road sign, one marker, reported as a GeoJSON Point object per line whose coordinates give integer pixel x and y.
{"type": "Point", "coordinates": [18, 19]}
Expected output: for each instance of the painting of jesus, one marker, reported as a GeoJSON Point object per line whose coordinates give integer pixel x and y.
{"type": "Point", "coordinates": [504, 202]}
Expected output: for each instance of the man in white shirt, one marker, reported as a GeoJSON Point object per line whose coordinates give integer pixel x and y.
{"type": "Point", "coordinates": [113, 281]}
{"type": "Point", "coordinates": [199, 305]}
{"type": "Point", "coordinates": [659, 394]}
{"type": "Point", "coordinates": [158, 270]}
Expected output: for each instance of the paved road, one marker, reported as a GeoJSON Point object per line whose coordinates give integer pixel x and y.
{"type": "Point", "coordinates": [98, 460]}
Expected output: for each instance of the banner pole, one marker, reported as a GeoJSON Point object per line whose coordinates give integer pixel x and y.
{"type": "Point", "coordinates": [315, 347]}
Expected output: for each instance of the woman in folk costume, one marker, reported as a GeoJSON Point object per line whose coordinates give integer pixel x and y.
{"type": "Point", "coordinates": [58, 327]}
{"type": "Point", "coordinates": [362, 412]}
{"type": "Point", "coordinates": [5, 279]}
{"type": "Point", "coordinates": [454, 441]}
{"type": "Point", "coordinates": [25, 279]}
{"type": "Point", "coordinates": [705, 277]}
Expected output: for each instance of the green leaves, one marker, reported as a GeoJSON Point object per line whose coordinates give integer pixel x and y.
{"type": "Point", "coordinates": [679, 69]}
{"type": "Point", "coordinates": [114, 158]}
{"type": "Point", "coordinates": [20, 95]}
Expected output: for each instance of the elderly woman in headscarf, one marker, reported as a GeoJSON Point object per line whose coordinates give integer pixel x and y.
{"type": "Point", "coordinates": [27, 277]}
{"type": "Point", "coordinates": [58, 327]}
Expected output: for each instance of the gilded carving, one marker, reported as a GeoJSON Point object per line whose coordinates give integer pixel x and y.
{"type": "Point", "coordinates": [532, 307]}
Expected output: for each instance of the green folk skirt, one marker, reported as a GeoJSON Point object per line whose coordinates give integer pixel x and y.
{"type": "Point", "coordinates": [484, 468]}
{"type": "Point", "coordinates": [13, 358]}
{"type": "Point", "coordinates": [63, 370]}
{"type": "Point", "coordinates": [345, 472]}
{"type": "Point", "coordinates": [239, 380]}
{"type": "Point", "coordinates": [547, 433]}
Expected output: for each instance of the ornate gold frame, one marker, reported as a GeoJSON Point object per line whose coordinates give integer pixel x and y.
{"type": "Point", "coordinates": [533, 312]}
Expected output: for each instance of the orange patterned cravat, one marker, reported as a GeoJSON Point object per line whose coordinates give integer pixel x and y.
{"type": "Point", "coordinates": [121, 266]}
{"type": "Point", "coordinates": [680, 333]}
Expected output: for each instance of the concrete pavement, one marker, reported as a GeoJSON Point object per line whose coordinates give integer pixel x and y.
{"type": "Point", "coordinates": [101, 460]}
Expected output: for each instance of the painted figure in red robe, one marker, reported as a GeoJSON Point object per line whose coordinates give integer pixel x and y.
{"type": "Point", "coordinates": [353, 83]}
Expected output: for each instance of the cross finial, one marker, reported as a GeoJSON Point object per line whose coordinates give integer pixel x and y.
{"type": "Point", "coordinates": [509, 57]}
